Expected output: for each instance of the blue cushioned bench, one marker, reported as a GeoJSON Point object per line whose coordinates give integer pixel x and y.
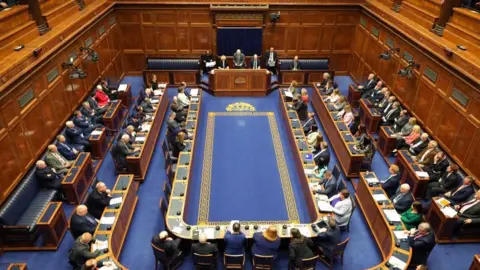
{"type": "Point", "coordinates": [172, 71]}
{"type": "Point", "coordinates": [311, 70]}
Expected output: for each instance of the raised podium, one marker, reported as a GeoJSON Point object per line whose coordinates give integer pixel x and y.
{"type": "Point", "coordinates": [239, 82]}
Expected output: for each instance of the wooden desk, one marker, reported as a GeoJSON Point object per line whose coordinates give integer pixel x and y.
{"type": "Point", "coordinates": [408, 168]}
{"type": "Point", "coordinates": [369, 115]}
{"type": "Point", "coordinates": [116, 233]}
{"type": "Point", "coordinates": [52, 224]}
{"type": "Point", "coordinates": [138, 164]}
{"type": "Point", "coordinates": [353, 95]}
{"type": "Point", "coordinates": [386, 142]}
{"type": "Point", "coordinates": [125, 96]}
{"type": "Point", "coordinates": [475, 263]}
{"type": "Point", "coordinates": [78, 179]}
{"type": "Point", "coordinates": [17, 266]}
{"type": "Point", "coordinates": [380, 227]}
{"type": "Point", "coordinates": [303, 76]}
{"type": "Point", "coordinates": [341, 139]}
{"type": "Point", "coordinates": [113, 117]}
{"type": "Point", "coordinates": [172, 76]}
{"type": "Point", "coordinates": [98, 144]}
{"type": "Point", "coordinates": [239, 82]}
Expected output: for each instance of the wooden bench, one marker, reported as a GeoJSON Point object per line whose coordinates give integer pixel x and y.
{"type": "Point", "coordinates": [423, 12]}
{"type": "Point", "coordinates": [462, 29]}
{"type": "Point", "coordinates": [16, 28]}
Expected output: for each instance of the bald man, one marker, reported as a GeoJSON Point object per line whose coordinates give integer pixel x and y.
{"type": "Point", "coordinates": [239, 59]}
{"type": "Point", "coordinates": [55, 160]}
{"type": "Point", "coordinates": [403, 199]}
{"type": "Point", "coordinates": [98, 199]}
{"type": "Point", "coordinates": [81, 252]}
{"type": "Point", "coordinates": [167, 244]}
{"type": "Point", "coordinates": [75, 135]}
{"type": "Point", "coordinates": [47, 176]}
{"type": "Point", "coordinates": [422, 242]}
{"type": "Point", "coordinates": [82, 222]}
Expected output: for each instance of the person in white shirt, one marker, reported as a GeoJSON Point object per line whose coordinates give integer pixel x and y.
{"type": "Point", "coordinates": [182, 98]}
{"type": "Point", "coordinates": [312, 137]}
{"type": "Point", "coordinates": [334, 96]}
{"type": "Point", "coordinates": [343, 208]}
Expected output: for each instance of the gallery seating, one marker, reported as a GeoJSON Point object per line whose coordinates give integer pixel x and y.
{"type": "Point", "coordinates": [173, 71]}
{"type": "Point", "coordinates": [311, 70]}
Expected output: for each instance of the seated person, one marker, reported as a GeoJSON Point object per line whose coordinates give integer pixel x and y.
{"type": "Point", "coordinates": [172, 124]}
{"type": "Point", "coordinates": [342, 208]}
{"type": "Point", "coordinates": [153, 82]}
{"type": "Point", "coordinates": [123, 149]}
{"type": "Point", "coordinates": [239, 59]}
{"type": "Point", "coordinates": [140, 114]}
{"type": "Point", "coordinates": [377, 95]}
{"type": "Point", "coordinates": [182, 97]}
{"type": "Point", "coordinates": [301, 107]}
{"type": "Point", "coordinates": [365, 147]}
{"type": "Point", "coordinates": [385, 99]}
{"type": "Point", "coordinates": [389, 117]}
{"type": "Point", "coordinates": [56, 161]}
{"type": "Point", "coordinates": [255, 62]}
{"type": "Point", "coordinates": [422, 242]}
{"type": "Point", "coordinates": [317, 147]}
{"type": "Point", "coordinates": [95, 116]}
{"type": "Point", "coordinates": [234, 240]}
{"type": "Point", "coordinates": [47, 176]}
{"type": "Point", "coordinates": [93, 264]}
{"type": "Point", "coordinates": [413, 216]}
{"type": "Point", "coordinates": [147, 106]}
{"type": "Point", "coordinates": [222, 62]}
{"type": "Point", "coordinates": [339, 105]}
{"type": "Point", "coordinates": [368, 92]}
{"type": "Point", "coordinates": [369, 84]}
{"type": "Point", "coordinates": [361, 134]}
{"type": "Point", "coordinates": [419, 144]}
{"type": "Point", "coordinates": [295, 65]}
{"type": "Point", "coordinates": [203, 247]}
{"type": "Point", "coordinates": [400, 121]}
{"type": "Point", "coordinates": [98, 199]}
{"type": "Point", "coordinates": [82, 222]}
{"type": "Point", "coordinates": [449, 180]}
{"type": "Point", "coordinates": [102, 99]}
{"type": "Point", "coordinates": [407, 141]}
{"type": "Point", "coordinates": [94, 104]}
{"type": "Point", "coordinates": [300, 247]}
{"type": "Point", "coordinates": [130, 131]}
{"type": "Point", "coordinates": [403, 199]}
{"type": "Point", "coordinates": [328, 187]}
{"type": "Point", "coordinates": [168, 245]}
{"type": "Point", "coordinates": [75, 135]}
{"type": "Point", "coordinates": [425, 158]}
{"type": "Point", "coordinates": [461, 193]}
{"type": "Point", "coordinates": [304, 95]}
{"type": "Point", "coordinates": [84, 124]}
{"type": "Point", "coordinates": [307, 126]}
{"type": "Point", "coordinates": [266, 243]}
{"type": "Point", "coordinates": [66, 150]}
{"type": "Point", "coordinates": [390, 185]}
{"type": "Point", "coordinates": [322, 157]}
{"type": "Point", "coordinates": [178, 145]}
{"type": "Point", "coordinates": [347, 116]}
{"type": "Point", "coordinates": [179, 109]}
{"type": "Point", "coordinates": [149, 92]}
{"type": "Point", "coordinates": [313, 136]}
{"type": "Point", "coordinates": [469, 212]}
{"type": "Point", "coordinates": [111, 93]}
{"type": "Point", "coordinates": [330, 87]}
{"type": "Point", "coordinates": [438, 167]}
{"type": "Point", "coordinates": [293, 87]}
{"type": "Point", "coordinates": [81, 251]}
{"type": "Point", "coordinates": [387, 105]}
{"type": "Point", "coordinates": [328, 238]}
{"type": "Point", "coordinates": [334, 96]}
{"type": "Point", "coordinates": [135, 122]}
{"type": "Point", "coordinates": [406, 129]}
{"type": "Point", "coordinates": [326, 78]}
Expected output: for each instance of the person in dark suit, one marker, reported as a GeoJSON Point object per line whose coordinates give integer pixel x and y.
{"type": "Point", "coordinates": [82, 222]}
{"type": "Point", "coordinates": [130, 131]}
{"type": "Point", "coordinates": [271, 59]}
{"type": "Point", "coordinates": [422, 241]}
{"type": "Point", "coordinates": [323, 84]}
{"type": "Point", "coordinates": [301, 107]}
{"type": "Point", "coordinates": [389, 118]}
{"type": "Point", "coordinates": [84, 124]}
{"type": "Point", "coordinates": [203, 247]}
{"type": "Point", "coordinates": [328, 238]}
{"type": "Point", "coordinates": [377, 95]}
{"type": "Point", "coordinates": [94, 104]}
{"type": "Point", "coordinates": [403, 199]}
{"type": "Point", "coordinates": [384, 101]}
{"type": "Point", "coordinates": [425, 158]}
{"type": "Point", "coordinates": [329, 185]}
{"type": "Point", "coordinates": [235, 241]}
{"type": "Point", "coordinates": [307, 126]}
{"type": "Point", "coordinates": [390, 185]}
{"type": "Point", "coordinates": [67, 151]}
{"type": "Point", "coordinates": [447, 182]}
{"type": "Point", "coordinates": [255, 63]}
{"type": "Point", "coordinates": [147, 105]}
{"type": "Point", "coordinates": [438, 167]}
{"type": "Point", "coordinates": [369, 84]}
{"type": "Point", "coordinates": [81, 251]}
{"type": "Point", "coordinates": [266, 243]}
{"type": "Point", "coordinates": [418, 144]}
{"type": "Point", "coordinates": [123, 149]}
{"type": "Point", "coordinates": [204, 59]}
{"type": "Point", "coordinates": [87, 111]}
{"type": "Point", "coordinates": [295, 65]}
{"type": "Point", "coordinates": [368, 91]}
{"type": "Point", "coordinates": [322, 157]}
{"type": "Point", "coordinates": [139, 114]}
{"type": "Point", "coordinates": [238, 59]}
{"type": "Point", "coordinates": [400, 121]}
{"type": "Point", "coordinates": [135, 122]}
{"type": "Point", "coordinates": [178, 145]}
{"type": "Point", "coordinates": [47, 176]}
{"type": "Point", "coordinates": [172, 125]}
{"type": "Point", "coordinates": [93, 264]}
{"type": "Point", "coordinates": [300, 247]}
{"type": "Point", "coordinates": [468, 212]}
{"type": "Point", "coordinates": [222, 62]}
{"type": "Point", "coordinates": [98, 199]}
{"type": "Point", "coordinates": [168, 245]}
{"type": "Point", "coordinates": [75, 135]}
{"type": "Point", "coordinates": [461, 193]}
{"type": "Point", "coordinates": [111, 92]}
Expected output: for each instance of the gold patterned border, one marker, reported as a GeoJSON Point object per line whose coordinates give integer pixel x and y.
{"type": "Point", "coordinates": [204, 203]}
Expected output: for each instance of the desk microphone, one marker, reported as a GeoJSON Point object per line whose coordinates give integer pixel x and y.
{"type": "Point", "coordinates": [123, 185]}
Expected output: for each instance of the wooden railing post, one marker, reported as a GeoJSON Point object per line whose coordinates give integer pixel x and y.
{"type": "Point", "coordinates": [446, 12]}
{"type": "Point", "coordinates": [36, 12]}
{"type": "Point", "coordinates": [396, 5]}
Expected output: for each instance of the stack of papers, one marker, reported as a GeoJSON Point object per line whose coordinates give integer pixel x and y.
{"type": "Point", "coordinates": [449, 212]}
{"type": "Point", "coordinates": [146, 127]}
{"type": "Point", "coordinates": [321, 197]}
{"type": "Point", "coordinates": [100, 245]}
{"type": "Point", "coordinates": [210, 64]}
{"type": "Point", "coordinates": [442, 202]}
{"type": "Point", "coordinates": [139, 139]}
{"type": "Point", "coordinates": [178, 229]}
{"type": "Point", "coordinates": [194, 99]}
{"type": "Point", "coordinates": [122, 87]}
{"type": "Point", "coordinates": [324, 206]}
{"type": "Point", "coordinates": [111, 267]}
{"type": "Point", "coordinates": [309, 171]}
{"type": "Point", "coordinates": [158, 92]}
{"type": "Point", "coordinates": [422, 174]}
{"type": "Point", "coordinates": [397, 263]}
{"type": "Point", "coordinates": [380, 197]}
{"type": "Point", "coordinates": [162, 85]}
{"type": "Point", "coordinates": [371, 179]}
{"type": "Point", "coordinates": [400, 235]}
{"type": "Point", "coordinates": [116, 200]}
{"type": "Point", "coordinates": [155, 101]}
{"type": "Point", "coordinates": [392, 215]}
{"type": "Point", "coordinates": [305, 231]}
{"type": "Point", "coordinates": [209, 232]}
{"type": "Point", "coordinates": [107, 220]}
{"type": "Point", "coordinates": [288, 94]}
{"type": "Point", "coordinates": [194, 92]}
{"type": "Point", "coordinates": [96, 132]}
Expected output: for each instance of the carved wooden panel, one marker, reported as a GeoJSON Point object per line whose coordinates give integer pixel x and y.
{"type": "Point", "coordinates": [11, 168]}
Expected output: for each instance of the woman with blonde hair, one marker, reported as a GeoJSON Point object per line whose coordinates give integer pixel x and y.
{"type": "Point", "coordinates": [304, 95]}
{"type": "Point", "coordinates": [406, 141]}
{"type": "Point", "coordinates": [348, 116]}
{"type": "Point", "coordinates": [334, 96]}
{"type": "Point", "coordinates": [293, 87]}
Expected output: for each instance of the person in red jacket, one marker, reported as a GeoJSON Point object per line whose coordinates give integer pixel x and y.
{"type": "Point", "coordinates": [102, 99]}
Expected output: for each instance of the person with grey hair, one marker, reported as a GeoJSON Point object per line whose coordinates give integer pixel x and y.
{"type": "Point", "coordinates": [403, 199]}
{"type": "Point", "coordinates": [422, 241]}
{"type": "Point", "coordinates": [167, 244]}
{"type": "Point", "coordinates": [81, 251]}
{"type": "Point", "coordinates": [47, 177]}
{"type": "Point", "coordinates": [123, 149]}
{"type": "Point", "coordinates": [203, 247]}
{"type": "Point", "coordinates": [98, 199]}
{"type": "Point", "coordinates": [239, 59]}
{"type": "Point", "coordinates": [255, 62]}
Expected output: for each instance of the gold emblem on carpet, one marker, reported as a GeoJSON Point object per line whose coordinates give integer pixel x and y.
{"type": "Point", "coordinates": [240, 107]}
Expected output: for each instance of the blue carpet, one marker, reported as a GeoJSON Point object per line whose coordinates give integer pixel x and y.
{"type": "Point", "coordinates": [361, 252]}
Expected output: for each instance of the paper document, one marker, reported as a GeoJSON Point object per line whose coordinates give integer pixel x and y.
{"type": "Point", "coordinates": [194, 99]}
{"type": "Point", "coordinates": [392, 215]}
{"type": "Point", "coordinates": [209, 232]}
{"type": "Point", "coordinates": [158, 93]}
{"type": "Point", "coordinates": [397, 263]}
{"type": "Point", "coordinates": [288, 94]}
{"type": "Point", "coordinates": [321, 197]}
{"type": "Point", "coordinates": [155, 101]}
{"type": "Point", "coordinates": [313, 185]}
{"type": "Point", "coordinates": [210, 64]}
{"type": "Point", "coordinates": [194, 92]}
{"type": "Point", "coordinates": [371, 179]}
{"type": "Point", "coordinates": [101, 244]}
{"type": "Point", "coordinates": [122, 87]}
{"type": "Point", "coordinates": [96, 132]}
{"type": "Point", "coordinates": [324, 206]}
{"type": "Point", "coordinates": [442, 202]}
{"type": "Point", "coordinates": [422, 174]}
{"type": "Point", "coordinates": [449, 212]}
{"type": "Point", "coordinates": [400, 235]}
{"type": "Point", "coordinates": [380, 197]}
{"type": "Point", "coordinates": [178, 229]}
{"type": "Point", "coordinates": [139, 139]}
{"type": "Point", "coordinates": [107, 220]}
{"type": "Point", "coordinates": [111, 267]}
{"type": "Point", "coordinates": [162, 85]}
{"type": "Point", "coordinates": [305, 231]}
{"type": "Point", "coordinates": [309, 171]}
{"type": "Point", "coordinates": [116, 200]}
{"type": "Point", "coordinates": [146, 127]}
